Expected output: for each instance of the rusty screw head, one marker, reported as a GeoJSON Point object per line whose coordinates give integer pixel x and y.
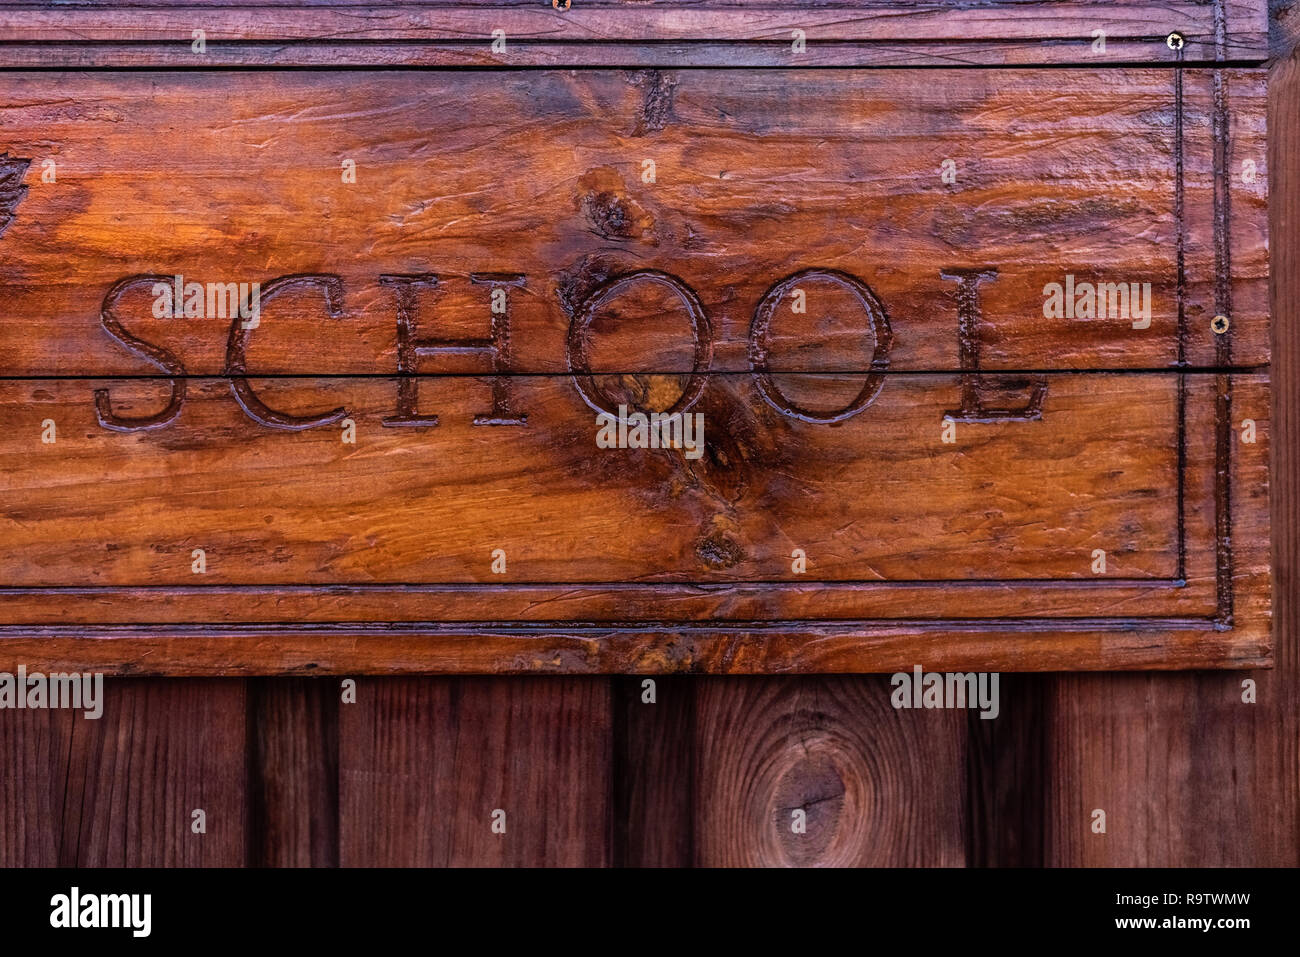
{"type": "Point", "coordinates": [556, 4]}
{"type": "Point", "coordinates": [1174, 41]}
{"type": "Point", "coordinates": [1219, 324]}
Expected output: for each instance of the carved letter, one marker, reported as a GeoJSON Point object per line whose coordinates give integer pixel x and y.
{"type": "Point", "coordinates": [237, 352]}
{"type": "Point", "coordinates": [968, 320]}
{"type": "Point", "coordinates": [410, 350]}
{"type": "Point", "coordinates": [157, 355]}
{"type": "Point", "coordinates": [760, 342]}
{"type": "Point", "coordinates": [579, 341]}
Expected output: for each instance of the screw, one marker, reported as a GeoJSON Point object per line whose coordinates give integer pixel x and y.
{"type": "Point", "coordinates": [1174, 41]}
{"type": "Point", "coordinates": [1219, 324]}
{"type": "Point", "coordinates": [556, 4]}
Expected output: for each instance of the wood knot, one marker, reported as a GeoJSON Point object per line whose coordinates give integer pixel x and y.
{"type": "Point", "coordinates": [719, 551]}
{"type": "Point", "coordinates": [611, 213]}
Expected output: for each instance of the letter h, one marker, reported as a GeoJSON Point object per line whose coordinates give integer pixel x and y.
{"type": "Point", "coordinates": [410, 349]}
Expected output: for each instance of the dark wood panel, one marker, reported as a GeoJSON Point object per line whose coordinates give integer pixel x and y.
{"type": "Point", "coordinates": [1008, 772]}
{"type": "Point", "coordinates": [34, 746]}
{"type": "Point", "coordinates": [765, 182]}
{"type": "Point", "coordinates": [121, 790]}
{"type": "Point", "coordinates": [425, 762]}
{"type": "Point", "coordinates": [1185, 771]}
{"type": "Point", "coordinates": [731, 32]}
{"type": "Point", "coordinates": [873, 783]}
{"type": "Point", "coordinates": [293, 790]}
{"type": "Point", "coordinates": [654, 757]}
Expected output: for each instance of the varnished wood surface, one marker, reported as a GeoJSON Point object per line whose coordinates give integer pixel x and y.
{"type": "Point", "coordinates": [534, 183]}
{"type": "Point", "coordinates": [662, 292]}
{"type": "Point", "coordinates": [397, 529]}
{"type": "Point", "coordinates": [618, 32]}
{"type": "Point", "coordinates": [1189, 774]}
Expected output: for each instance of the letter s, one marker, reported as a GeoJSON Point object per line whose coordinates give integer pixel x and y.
{"type": "Point", "coordinates": [156, 355]}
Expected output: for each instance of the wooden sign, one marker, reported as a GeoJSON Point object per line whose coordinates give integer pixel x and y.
{"type": "Point", "coordinates": [634, 370]}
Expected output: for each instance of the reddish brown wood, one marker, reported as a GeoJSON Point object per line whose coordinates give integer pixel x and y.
{"type": "Point", "coordinates": [420, 539]}
{"type": "Point", "coordinates": [615, 281]}
{"type": "Point", "coordinates": [1188, 773]}
{"type": "Point", "coordinates": [654, 759]}
{"type": "Point", "coordinates": [120, 790]}
{"type": "Point", "coordinates": [722, 32]}
{"type": "Point", "coordinates": [759, 176]}
{"type": "Point", "coordinates": [293, 789]}
{"type": "Point", "coordinates": [863, 773]}
{"type": "Point", "coordinates": [424, 763]}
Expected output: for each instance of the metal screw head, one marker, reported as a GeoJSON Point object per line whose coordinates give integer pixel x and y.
{"type": "Point", "coordinates": [1219, 324]}
{"type": "Point", "coordinates": [1174, 41]}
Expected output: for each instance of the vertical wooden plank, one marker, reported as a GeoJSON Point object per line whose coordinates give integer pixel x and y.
{"type": "Point", "coordinates": [653, 771]}
{"type": "Point", "coordinates": [120, 790]}
{"type": "Point", "coordinates": [1181, 767]}
{"type": "Point", "coordinates": [293, 780]}
{"type": "Point", "coordinates": [424, 763]}
{"type": "Point", "coordinates": [880, 787]}
{"type": "Point", "coordinates": [1007, 776]}
{"type": "Point", "coordinates": [1280, 763]}
{"type": "Point", "coordinates": [34, 749]}
{"type": "Point", "coordinates": [163, 749]}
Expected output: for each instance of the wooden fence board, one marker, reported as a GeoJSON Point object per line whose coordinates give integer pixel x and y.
{"type": "Point", "coordinates": [293, 788]}
{"type": "Point", "coordinates": [121, 790]}
{"type": "Point", "coordinates": [864, 775]}
{"type": "Point", "coordinates": [425, 762]}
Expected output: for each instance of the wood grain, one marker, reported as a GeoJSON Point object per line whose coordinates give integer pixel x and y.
{"type": "Point", "coordinates": [120, 790]}
{"type": "Point", "coordinates": [653, 775]}
{"type": "Point", "coordinates": [203, 440]}
{"type": "Point", "coordinates": [1188, 772]}
{"type": "Point", "coordinates": [400, 532]}
{"type": "Point", "coordinates": [759, 176]}
{"type": "Point", "coordinates": [293, 790]}
{"type": "Point", "coordinates": [866, 776]}
{"type": "Point", "coordinates": [1062, 169]}
{"type": "Point", "coordinates": [714, 32]}
{"type": "Point", "coordinates": [1007, 776]}
{"type": "Point", "coordinates": [424, 763]}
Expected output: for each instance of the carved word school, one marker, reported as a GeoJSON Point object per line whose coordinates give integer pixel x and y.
{"type": "Point", "coordinates": [242, 303]}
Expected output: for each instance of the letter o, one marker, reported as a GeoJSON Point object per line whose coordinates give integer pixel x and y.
{"type": "Point", "coordinates": [760, 336]}
{"type": "Point", "coordinates": [578, 343]}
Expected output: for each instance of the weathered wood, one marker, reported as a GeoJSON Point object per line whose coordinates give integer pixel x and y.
{"type": "Point", "coordinates": [1189, 773]}
{"type": "Point", "coordinates": [622, 32]}
{"type": "Point", "coordinates": [120, 790]}
{"type": "Point", "coordinates": [425, 762]}
{"type": "Point", "coordinates": [293, 792]}
{"type": "Point", "coordinates": [578, 282]}
{"type": "Point", "coordinates": [1008, 771]}
{"type": "Point", "coordinates": [865, 775]}
{"type": "Point", "coordinates": [759, 176]}
{"type": "Point", "coordinates": [653, 773]}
